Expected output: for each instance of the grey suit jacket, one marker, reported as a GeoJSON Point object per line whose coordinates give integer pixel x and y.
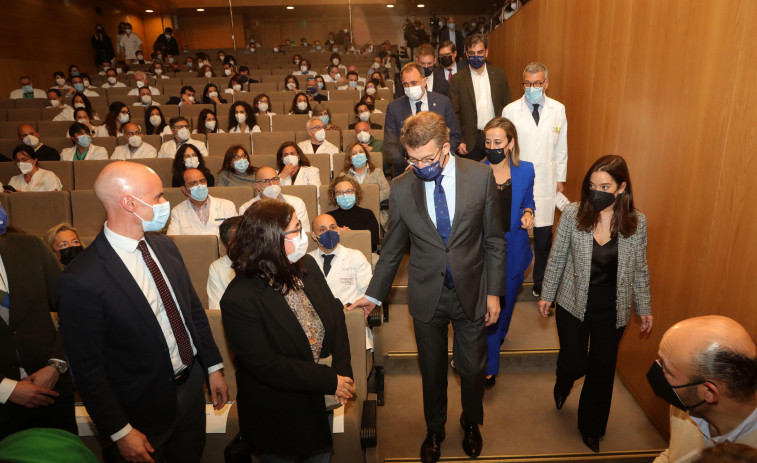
{"type": "Point", "coordinates": [475, 250]}
{"type": "Point", "coordinates": [569, 269]}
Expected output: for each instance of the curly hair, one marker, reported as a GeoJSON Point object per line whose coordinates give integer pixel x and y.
{"type": "Point", "coordinates": [355, 186]}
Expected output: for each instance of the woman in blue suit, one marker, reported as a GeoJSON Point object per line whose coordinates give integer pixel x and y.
{"type": "Point", "coordinates": [515, 185]}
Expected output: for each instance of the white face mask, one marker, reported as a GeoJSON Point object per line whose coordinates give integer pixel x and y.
{"type": "Point", "coordinates": [31, 141]}
{"type": "Point", "coordinates": [263, 107]}
{"type": "Point", "coordinates": [272, 191]}
{"type": "Point", "coordinates": [303, 69]}
{"type": "Point", "coordinates": [236, 87]}
{"type": "Point", "coordinates": [119, 70]}
{"type": "Point", "coordinates": [112, 80]}
{"type": "Point", "coordinates": [291, 86]}
{"type": "Point", "coordinates": [54, 103]}
{"type": "Point", "coordinates": [191, 163]}
{"type": "Point", "coordinates": [221, 57]}
{"type": "Point", "coordinates": [83, 121]}
{"type": "Point", "coordinates": [291, 159]}
{"type": "Point", "coordinates": [135, 141]}
{"type": "Point", "coordinates": [414, 93]}
{"type": "Point", "coordinates": [227, 72]}
{"type": "Point", "coordinates": [140, 57]}
{"type": "Point", "coordinates": [335, 61]}
{"type": "Point", "coordinates": [210, 125]}
{"type": "Point", "coordinates": [140, 84]}
{"type": "Point", "coordinates": [183, 134]}
{"type": "Point", "coordinates": [158, 71]}
{"type": "Point", "coordinates": [320, 135]}
{"type": "Point", "coordinates": [25, 167]}
{"type": "Point", "coordinates": [208, 74]}
{"type": "Point", "coordinates": [146, 99]}
{"type": "Point", "coordinates": [337, 76]}
{"type": "Point", "coordinates": [212, 94]}
{"type": "Point", "coordinates": [363, 137]}
{"type": "Point", "coordinates": [123, 118]}
{"type": "Point", "coordinates": [155, 120]}
{"type": "Point", "coordinates": [300, 247]}
{"type": "Point", "coordinates": [86, 83]}
{"type": "Point", "coordinates": [60, 81]}
{"type": "Point", "coordinates": [370, 90]}
{"type": "Point", "coordinates": [79, 105]}
{"type": "Point", "coordinates": [365, 116]}
{"type": "Point", "coordinates": [302, 105]}
{"type": "Point", "coordinates": [376, 65]}
{"type": "Point", "coordinates": [240, 117]}
{"type": "Point", "coordinates": [275, 50]}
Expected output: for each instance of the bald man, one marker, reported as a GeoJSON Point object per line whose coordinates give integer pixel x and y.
{"type": "Point", "coordinates": [29, 136]}
{"type": "Point", "coordinates": [137, 338]}
{"type": "Point", "coordinates": [707, 371]}
{"type": "Point", "coordinates": [133, 147]}
{"type": "Point", "coordinates": [268, 185]}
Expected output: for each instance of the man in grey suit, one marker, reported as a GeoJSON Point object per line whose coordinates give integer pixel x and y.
{"type": "Point", "coordinates": [449, 210]}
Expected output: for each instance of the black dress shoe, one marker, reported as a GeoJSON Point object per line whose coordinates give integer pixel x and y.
{"type": "Point", "coordinates": [472, 441]}
{"type": "Point", "coordinates": [431, 449]}
{"type": "Point", "coordinates": [592, 442]}
{"type": "Point", "coordinates": [490, 382]}
{"type": "Point", "coordinates": [559, 397]}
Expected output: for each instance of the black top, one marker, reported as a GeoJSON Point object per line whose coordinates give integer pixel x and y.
{"type": "Point", "coordinates": [604, 263]}
{"type": "Point", "coordinates": [47, 153]}
{"type": "Point", "coordinates": [358, 218]}
{"type": "Point", "coordinates": [506, 202]}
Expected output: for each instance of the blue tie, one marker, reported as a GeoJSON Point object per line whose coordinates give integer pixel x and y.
{"type": "Point", "coordinates": [443, 223]}
{"type": "Point", "coordinates": [418, 107]}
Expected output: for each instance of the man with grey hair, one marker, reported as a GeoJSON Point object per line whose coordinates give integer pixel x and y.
{"type": "Point", "coordinates": [543, 140]}
{"type": "Point", "coordinates": [317, 144]}
{"type": "Point", "coordinates": [142, 81]}
{"type": "Point", "coordinates": [707, 371]}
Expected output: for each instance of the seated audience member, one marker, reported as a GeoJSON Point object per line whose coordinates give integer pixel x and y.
{"type": "Point", "coordinates": [82, 148]}
{"type": "Point", "coordinates": [364, 135]}
{"type": "Point", "coordinates": [296, 58]}
{"type": "Point", "coordinates": [186, 96]}
{"type": "Point", "coordinates": [180, 128]}
{"type": "Point", "coordinates": [322, 111]}
{"type": "Point", "coordinates": [79, 101]}
{"type": "Point", "coordinates": [123, 68]}
{"type": "Point", "coordinates": [60, 82]}
{"type": "Point", "coordinates": [317, 47]}
{"type": "Point", "coordinates": [229, 69]}
{"type": "Point", "coordinates": [142, 81]}
{"type": "Point", "coordinates": [332, 74]}
{"type": "Point", "coordinates": [111, 80]}
{"type": "Point", "coordinates": [207, 123]}
{"type": "Point", "coordinates": [77, 86]}
{"type": "Point", "coordinates": [728, 452]}
{"type": "Point", "coordinates": [346, 194]}
{"type": "Point", "coordinates": [211, 95]}
{"type": "Point", "coordinates": [317, 144]}
{"type": "Point", "coordinates": [236, 169]}
{"type": "Point", "coordinates": [206, 71]}
{"type": "Point", "coordinates": [707, 372]}
{"type": "Point", "coordinates": [155, 123]}
{"type": "Point", "coordinates": [158, 71]}
{"type": "Point", "coordinates": [200, 213]}
{"type": "Point", "coordinates": [313, 90]}
{"type": "Point", "coordinates": [81, 116]}
{"type": "Point", "coordinates": [320, 82]}
{"type": "Point", "coordinates": [294, 167]}
{"type": "Point", "coordinates": [357, 164]}
{"type": "Point", "coordinates": [235, 86]}
{"type": "Point", "coordinates": [291, 83]}
{"type": "Point", "coordinates": [189, 157]}
{"type": "Point", "coordinates": [220, 272]}
{"type": "Point", "coordinates": [134, 148]}
{"type": "Point", "coordinates": [364, 114]}
{"type": "Point", "coordinates": [242, 118]}
{"type": "Point", "coordinates": [371, 89]}
{"type": "Point", "coordinates": [63, 240]}
{"type": "Point", "coordinates": [29, 136]}
{"type": "Point", "coordinates": [144, 98]}
{"type": "Point", "coordinates": [262, 106]}
{"type": "Point", "coordinates": [244, 76]}
{"type": "Point", "coordinates": [56, 101]}
{"type": "Point", "coordinates": [353, 82]}
{"type": "Point", "coordinates": [301, 105]}
{"type": "Point", "coordinates": [268, 186]}
{"type": "Point", "coordinates": [377, 79]}
{"type": "Point", "coordinates": [189, 65]}
{"type": "Point", "coordinates": [118, 115]}
{"type": "Point", "coordinates": [32, 178]}
{"type": "Point", "coordinates": [305, 68]}
{"type": "Point", "coordinates": [27, 90]}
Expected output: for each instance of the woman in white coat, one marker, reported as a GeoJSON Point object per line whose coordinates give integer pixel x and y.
{"type": "Point", "coordinates": [294, 167]}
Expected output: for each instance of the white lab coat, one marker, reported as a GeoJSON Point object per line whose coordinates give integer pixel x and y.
{"type": "Point", "coordinates": [145, 150]}
{"type": "Point", "coordinates": [169, 148]}
{"type": "Point", "coordinates": [220, 275]}
{"type": "Point", "coordinates": [184, 220]}
{"type": "Point", "coordinates": [326, 148]}
{"type": "Point", "coordinates": [546, 146]}
{"type": "Point", "coordinates": [299, 208]}
{"type": "Point", "coordinates": [308, 175]}
{"type": "Point", "coordinates": [93, 154]}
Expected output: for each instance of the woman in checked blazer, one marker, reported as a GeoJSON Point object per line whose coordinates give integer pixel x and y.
{"type": "Point", "coordinates": [596, 271]}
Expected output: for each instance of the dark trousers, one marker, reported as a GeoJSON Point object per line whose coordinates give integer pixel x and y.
{"type": "Point", "coordinates": [469, 350]}
{"type": "Point", "coordinates": [602, 340]}
{"type": "Point", "coordinates": [184, 441]}
{"type": "Point", "coordinates": [60, 414]}
{"type": "Point", "coordinates": [477, 152]}
{"type": "Point", "coordinates": [542, 246]}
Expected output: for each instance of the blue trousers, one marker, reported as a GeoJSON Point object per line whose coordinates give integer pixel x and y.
{"type": "Point", "coordinates": [497, 332]}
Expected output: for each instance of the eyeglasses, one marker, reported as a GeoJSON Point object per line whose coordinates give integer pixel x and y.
{"type": "Point", "coordinates": [316, 127]}
{"type": "Point", "coordinates": [238, 157]}
{"type": "Point", "coordinates": [537, 84]}
{"type": "Point", "coordinates": [179, 127]}
{"type": "Point", "coordinates": [345, 192]}
{"type": "Point", "coordinates": [268, 181]}
{"type": "Point", "coordinates": [297, 230]}
{"type": "Point", "coordinates": [428, 160]}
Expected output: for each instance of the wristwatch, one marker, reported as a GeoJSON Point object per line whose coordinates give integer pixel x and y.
{"type": "Point", "coordinates": [62, 367]}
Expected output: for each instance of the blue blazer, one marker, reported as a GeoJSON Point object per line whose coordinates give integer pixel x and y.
{"type": "Point", "coordinates": [399, 110]}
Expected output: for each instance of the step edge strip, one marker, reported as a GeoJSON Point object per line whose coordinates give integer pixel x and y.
{"type": "Point", "coordinates": [555, 457]}
{"type": "Point", "coordinates": [504, 353]}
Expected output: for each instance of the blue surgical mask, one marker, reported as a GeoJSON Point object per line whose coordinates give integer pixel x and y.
{"type": "Point", "coordinates": [353, 83]}
{"type": "Point", "coordinates": [329, 239]}
{"type": "Point", "coordinates": [324, 119]}
{"type": "Point", "coordinates": [313, 90]}
{"type": "Point", "coordinates": [84, 140]}
{"type": "Point", "coordinates": [318, 47]}
{"type": "Point", "coordinates": [346, 201]}
{"type": "Point", "coordinates": [320, 85]}
{"type": "Point", "coordinates": [241, 165]}
{"type": "Point", "coordinates": [199, 192]}
{"type": "Point", "coordinates": [476, 61]}
{"type": "Point", "coordinates": [451, 26]}
{"type": "Point", "coordinates": [430, 172]}
{"type": "Point", "coordinates": [74, 73]}
{"type": "Point", "coordinates": [27, 89]}
{"type": "Point", "coordinates": [160, 214]}
{"type": "Point", "coordinates": [534, 95]}
{"type": "Point", "coordinates": [359, 160]}
{"type": "Point", "coordinates": [79, 87]}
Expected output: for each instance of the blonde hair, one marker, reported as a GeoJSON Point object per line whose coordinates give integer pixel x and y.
{"type": "Point", "coordinates": [49, 237]}
{"type": "Point", "coordinates": [512, 134]}
{"type": "Point", "coordinates": [420, 129]}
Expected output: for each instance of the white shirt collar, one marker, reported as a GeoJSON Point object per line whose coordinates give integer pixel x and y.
{"type": "Point", "coordinates": [744, 428]}
{"type": "Point", "coordinates": [475, 74]}
{"type": "Point", "coordinates": [335, 252]}
{"type": "Point", "coordinates": [449, 169]}
{"type": "Point", "coordinates": [119, 242]}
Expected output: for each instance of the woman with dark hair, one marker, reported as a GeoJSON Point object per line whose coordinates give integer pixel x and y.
{"type": "Point", "coordinates": [189, 157]}
{"type": "Point", "coordinates": [155, 123]}
{"type": "Point", "coordinates": [236, 169]}
{"type": "Point", "coordinates": [597, 270]}
{"type": "Point", "coordinates": [300, 105]}
{"type": "Point", "coordinates": [294, 167]}
{"type": "Point", "coordinates": [358, 165]}
{"type": "Point", "coordinates": [235, 86]}
{"type": "Point", "coordinates": [378, 79]}
{"type": "Point", "coordinates": [291, 83]}
{"type": "Point", "coordinates": [370, 101]}
{"type": "Point", "coordinates": [262, 104]}
{"type": "Point", "coordinates": [73, 71]}
{"type": "Point", "coordinates": [515, 187]}
{"type": "Point", "coordinates": [211, 95]}
{"type": "Point", "coordinates": [336, 60]}
{"type": "Point", "coordinates": [242, 118]}
{"type": "Point", "coordinates": [81, 116]}
{"type": "Point", "coordinates": [32, 177]}
{"type": "Point", "coordinates": [118, 115]}
{"type": "Point", "coordinates": [207, 122]}
{"type": "Point", "coordinates": [346, 194]}
{"type": "Point", "coordinates": [206, 71]}
{"type": "Point", "coordinates": [123, 68]}
{"type": "Point", "coordinates": [288, 335]}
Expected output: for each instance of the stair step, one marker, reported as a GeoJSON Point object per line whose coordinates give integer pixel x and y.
{"type": "Point", "coordinates": [633, 456]}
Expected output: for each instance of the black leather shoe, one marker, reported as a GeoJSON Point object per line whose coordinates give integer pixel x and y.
{"type": "Point", "coordinates": [490, 382]}
{"type": "Point", "coordinates": [431, 449]}
{"type": "Point", "coordinates": [592, 443]}
{"type": "Point", "coordinates": [559, 398]}
{"type": "Point", "coordinates": [472, 441]}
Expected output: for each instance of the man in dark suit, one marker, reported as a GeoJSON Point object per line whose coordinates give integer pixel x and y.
{"type": "Point", "coordinates": [35, 389]}
{"type": "Point", "coordinates": [166, 43]}
{"type": "Point", "coordinates": [135, 331]}
{"type": "Point", "coordinates": [453, 35]}
{"type": "Point", "coordinates": [478, 93]}
{"type": "Point", "coordinates": [29, 136]}
{"type": "Point", "coordinates": [449, 61]}
{"type": "Point", "coordinates": [435, 81]}
{"type": "Point", "coordinates": [415, 97]}
{"type": "Point", "coordinates": [449, 210]}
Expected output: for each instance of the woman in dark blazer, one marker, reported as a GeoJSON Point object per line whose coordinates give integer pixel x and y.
{"type": "Point", "coordinates": [280, 318]}
{"type": "Point", "coordinates": [515, 185]}
{"type": "Point", "coordinates": [597, 270]}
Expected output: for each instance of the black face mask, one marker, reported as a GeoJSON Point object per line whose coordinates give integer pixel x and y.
{"type": "Point", "coordinates": [243, 78]}
{"type": "Point", "coordinates": [495, 155]}
{"type": "Point", "coordinates": [446, 61]}
{"type": "Point", "coordinates": [428, 70]}
{"type": "Point", "coordinates": [68, 254]}
{"type": "Point", "coordinates": [376, 81]}
{"type": "Point", "coordinates": [665, 391]}
{"type": "Point", "coordinates": [601, 199]}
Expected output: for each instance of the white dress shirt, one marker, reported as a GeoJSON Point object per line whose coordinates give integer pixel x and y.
{"type": "Point", "coordinates": [93, 153]}
{"type": "Point", "coordinates": [483, 91]}
{"type": "Point", "coordinates": [430, 82]}
{"type": "Point", "coordinates": [42, 180]}
{"type": "Point", "coordinates": [126, 152]}
{"type": "Point", "coordinates": [184, 219]}
{"type": "Point", "coordinates": [220, 275]}
{"type": "Point", "coordinates": [452, 69]}
{"type": "Point", "coordinates": [169, 148]}
{"type": "Point", "coordinates": [450, 194]}
{"type": "Point", "coordinates": [424, 103]}
{"type": "Point", "coordinates": [299, 208]}
{"type": "Point", "coordinates": [116, 85]}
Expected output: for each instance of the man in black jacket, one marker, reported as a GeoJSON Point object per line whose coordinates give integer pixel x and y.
{"type": "Point", "coordinates": [29, 136]}
{"type": "Point", "coordinates": [166, 43]}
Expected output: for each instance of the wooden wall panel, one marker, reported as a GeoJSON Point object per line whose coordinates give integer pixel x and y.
{"type": "Point", "coordinates": [665, 95]}
{"type": "Point", "coordinates": [211, 31]}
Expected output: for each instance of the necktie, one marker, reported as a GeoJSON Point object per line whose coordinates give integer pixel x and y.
{"type": "Point", "coordinates": [449, 75]}
{"type": "Point", "coordinates": [443, 224]}
{"type": "Point", "coordinates": [174, 318]}
{"type": "Point", "coordinates": [327, 258]}
{"type": "Point", "coordinates": [536, 114]}
{"type": "Point", "coordinates": [418, 107]}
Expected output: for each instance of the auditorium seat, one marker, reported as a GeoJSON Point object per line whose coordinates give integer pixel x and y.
{"type": "Point", "coordinates": [59, 142]}
{"type": "Point", "coordinates": [213, 163]}
{"type": "Point", "coordinates": [382, 105]}
{"type": "Point", "coordinates": [193, 110]}
{"type": "Point", "coordinates": [344, 106]}
{"type": "Point", "coordinates": [236, 194]}
{"type": "Point", "coordinates": [19, 115]}
{"type": "Point", "coordinates": [169, 111]}
{"type": "Point", "coordinates": [292, 122]}
{"type": "Point", "coordinates": [36, 212]}
{"type": "Point", "coordinates": [31, 103]}
{"type": "Point", "coordinates": [370, 199]}
{"type": "Point", "coordinates": [161, 166]}
{"type": "Point", "coordinates": [332, 136]}
{"type": "Point", "coordinates": [7, 145]}
{"type": "Point", "coordinates": [385, 93]}
{"type": "Point", "coordinates": [340, 120]}
{"type": "Point", "coordinates": [345, 96]}
{"type": "Point", "coordinates": [7, 103]}
{"type": "Point", "coordinates": [269, 142]}
{"type": "Point", "coordinates": [87, 213]}
{"type": "Point", "coordinates": [117, 94]}
{"type": "Point", "coordinates": [50, 128]}
{"type": "Point", "coordinates": [262, 87]}
{"type": "Point", "coordinates": [260, 160]}
{"type": "Point", "coordinates": [198, 83]}
{"type": "Point", "coordinates": [323, 163]}
{"type": "Point", "coordinates": [9, 130]}
{"type": "Point", "coordinates": [376, 118]}
{"type": "Point", "coordinates": [175, 196]}
{"type": "Point", "coordinates": [86, 172]}
{"type": "Point", "coordinates": [218, 143]}
{"type": "Point", "coordinates": [198, 252]}
{"type": "Point", "coordinates": [307, 193]}
{"type": "Point", "coordinates": [109, 143]}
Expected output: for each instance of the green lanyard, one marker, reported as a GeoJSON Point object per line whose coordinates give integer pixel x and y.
{"type": "Point", "coordinates": [78, 157]}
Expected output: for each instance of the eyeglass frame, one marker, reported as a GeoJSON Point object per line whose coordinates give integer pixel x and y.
{"type": "Point", "coordinates": [414, 162]}
{"type": "Point", "coordinates": [536, 84]}
{"type": "Point", "coordinates": [268, 181]}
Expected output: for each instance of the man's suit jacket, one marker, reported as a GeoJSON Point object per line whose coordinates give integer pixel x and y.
{"type": "Point", "coordinates": [475, 250]}
{"type": "Point", "coordinates": [399, 110]}
{"type": "Point", "coordinates": [463, 99]}
{"type": "Point", "coordinates": [281, 388]}
{"type": "Point", "coordinates": [440, 81]}
{"type": "Point", "coordinates": [459, 41]}
{"type": "Point", "coordinates": [32, 270]}
{"type": "Point", "coordinates": [115, 345]}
